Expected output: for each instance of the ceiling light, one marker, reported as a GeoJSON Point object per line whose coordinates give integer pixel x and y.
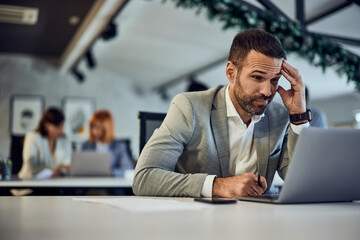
{"type": "Point", "coordinates": [74, 20]}
{"type": "Point", "coordinates": [110, 31]}
{"type": "Point", "coordinates": [78, 75]}
{"type": "Point", "coordinates": [18, 15]}
{"type": "Point", "coordinates": [90, 59]}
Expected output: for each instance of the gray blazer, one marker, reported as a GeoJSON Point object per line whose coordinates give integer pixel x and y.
{"type": "Point", "coordinates": [193, 141]}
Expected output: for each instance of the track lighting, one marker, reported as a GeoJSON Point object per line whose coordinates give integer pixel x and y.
{"type": "Point", "coordinates": [80, 77]}
{"type": "Point", "coordinates": [91, 63]}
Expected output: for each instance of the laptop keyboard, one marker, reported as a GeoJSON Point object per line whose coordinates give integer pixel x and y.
{"type": "Point", "coordinates": [268, 196]}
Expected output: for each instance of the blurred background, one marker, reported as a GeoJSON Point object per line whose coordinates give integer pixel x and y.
{"type": "Point", "coordinates": [131, 56]}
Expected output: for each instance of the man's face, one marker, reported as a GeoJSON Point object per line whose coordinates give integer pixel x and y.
{"type": "Point", "coordinates": [254, 86]}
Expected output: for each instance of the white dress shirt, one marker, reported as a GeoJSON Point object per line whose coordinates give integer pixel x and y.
{"type": "Point", "coordinates": [243, 157]}
{"type": "Point", "coordinates": [102, 147]}
{"type": "Point", "coordinates": [37, 156]}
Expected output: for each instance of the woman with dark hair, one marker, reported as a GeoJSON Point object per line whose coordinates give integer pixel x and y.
{"type": "Point", "coordinates": [46, 148]}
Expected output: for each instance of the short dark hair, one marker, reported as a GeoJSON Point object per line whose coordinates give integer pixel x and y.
{"type": "Point", "coordinates": [52, 115]}
{"type": "Point", "coordinates": [257, 40]}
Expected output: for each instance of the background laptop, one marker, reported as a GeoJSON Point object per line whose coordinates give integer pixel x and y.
{"type": "Point", "coordinates": [90, 164]}
{"type": "Point", "coordinates": [325, 167]}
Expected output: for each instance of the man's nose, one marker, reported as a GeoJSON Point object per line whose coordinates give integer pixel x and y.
{"type": "Point", "coordinates": [266, 89]}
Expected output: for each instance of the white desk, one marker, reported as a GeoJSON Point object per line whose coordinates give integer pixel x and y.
{"type": "Point", "coordinates": [63, 218]}
{"type": "Point", "coordinates": [68, 183]}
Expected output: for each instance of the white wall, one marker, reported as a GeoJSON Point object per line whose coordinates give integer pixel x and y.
{"type": "Point", "coordinates": [340, 109]}
{"type": "Point", "coordinates": [23, 75]}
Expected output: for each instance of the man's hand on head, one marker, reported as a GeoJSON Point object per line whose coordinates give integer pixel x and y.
{"type": "Point", "coordinates": [293, 98]}
{"type": "Point", "coordinates": [239, 186]}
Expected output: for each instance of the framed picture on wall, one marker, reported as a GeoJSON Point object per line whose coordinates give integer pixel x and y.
{"type": "Point", "coordinates": [78, 111]}
{"type": "Point", "coordinates": [26, 111]}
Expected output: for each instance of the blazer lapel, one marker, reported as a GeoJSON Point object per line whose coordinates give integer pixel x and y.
{"type": "Point", "coordinates": [220, 130]}
{"type": "Point", "coordinates": [262, 141]}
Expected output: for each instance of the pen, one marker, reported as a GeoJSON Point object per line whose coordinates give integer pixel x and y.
{"type": "Point", "coordinates": [259, 182]}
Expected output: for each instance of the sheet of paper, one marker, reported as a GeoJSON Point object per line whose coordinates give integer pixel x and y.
{"type": "Point", "coordinates": [44, 174]}
{"type": "Point", "coordinates": [145, 204]}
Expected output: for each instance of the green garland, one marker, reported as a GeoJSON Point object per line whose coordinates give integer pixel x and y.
{"type": "Point", "coordinates": [314, 48]}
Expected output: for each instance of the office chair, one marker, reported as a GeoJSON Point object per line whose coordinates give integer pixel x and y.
{"type": "Point", "coordinates": [148, 123]}
{"type": "Point", "coordinates": [16, 150]}
{"type": "Point", "coordinates": [127, 142]}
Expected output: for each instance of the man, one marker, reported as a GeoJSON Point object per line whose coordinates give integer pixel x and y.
{"type": "Point", "coordinates": [217, 142]}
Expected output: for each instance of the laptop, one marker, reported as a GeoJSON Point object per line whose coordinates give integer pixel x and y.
{"type": "Point", "coordinates": [89, 164]}
{"type": "Point", "coordinates": [325, 167]}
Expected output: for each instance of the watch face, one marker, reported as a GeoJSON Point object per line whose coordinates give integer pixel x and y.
{"type": "Point", "coordinates": [308, 111]}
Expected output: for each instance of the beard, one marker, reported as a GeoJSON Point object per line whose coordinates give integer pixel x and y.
{"type": "Point", "coordinates": [247, 102]}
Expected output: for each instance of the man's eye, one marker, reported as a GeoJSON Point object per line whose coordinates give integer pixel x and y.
{"type": "Point", "coordinates": [257, 77]}
{"type": "Point", "coordinates": [275, 80]}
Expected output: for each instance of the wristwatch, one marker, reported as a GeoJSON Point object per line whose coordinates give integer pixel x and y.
{"type": "Point", "coordinates": [294, 118]}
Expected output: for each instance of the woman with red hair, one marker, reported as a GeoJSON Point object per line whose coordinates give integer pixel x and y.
{"type": "Point", "coordinates": [101, 139]}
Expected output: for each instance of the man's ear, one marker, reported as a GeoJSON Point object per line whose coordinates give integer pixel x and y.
{"type": "Point", "coordinates": [231, 71]}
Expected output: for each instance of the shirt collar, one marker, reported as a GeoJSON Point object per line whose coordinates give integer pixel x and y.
{"type": "Point", "coordinates": [231, 110]}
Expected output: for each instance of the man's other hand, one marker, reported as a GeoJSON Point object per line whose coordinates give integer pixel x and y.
{"type": "Point", "coordinates": [294, 98]}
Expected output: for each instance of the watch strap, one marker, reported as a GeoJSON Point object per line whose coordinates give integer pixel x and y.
{"type": "Point", "coordinates": [301, 117]}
